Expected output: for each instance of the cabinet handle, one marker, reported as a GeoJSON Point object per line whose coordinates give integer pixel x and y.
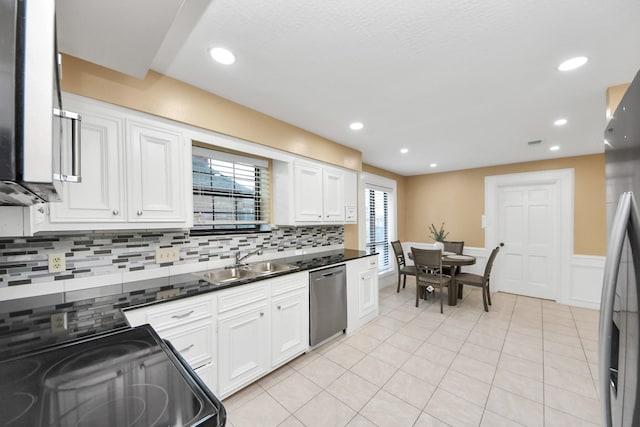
{"type": "Point", "coordinates": [319, 216]}
{"type": "Point", "coordinates": [184, 350]}
{"type": "Point", "coordinates": [261, 314]}
{"type": "Point", "coordinates": [139, 213]}
{"type": "Point", "coordinates": [279, 307]}
{"type": "Point", "coordinates": [115, 212]}
{"type": "Point", "coordinates": [182, 316]}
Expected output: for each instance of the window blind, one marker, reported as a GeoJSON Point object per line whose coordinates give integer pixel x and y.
{"type": "Point", "coordinates": [377, 225]}
{"type": "Point", "coordinates": [230, 192]}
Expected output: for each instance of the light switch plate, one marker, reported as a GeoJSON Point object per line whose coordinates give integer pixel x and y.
{"type": "Point", "coordinates": [164, 255]}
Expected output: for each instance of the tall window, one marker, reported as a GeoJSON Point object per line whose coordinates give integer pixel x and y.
{"type": "Point", "coordinates": [377, 225]}
{"type": "Point", "coordinates": [230, 192]}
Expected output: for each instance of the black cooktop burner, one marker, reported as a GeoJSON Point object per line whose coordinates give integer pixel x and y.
{"type": "Point", "coordinates": [128, 378]}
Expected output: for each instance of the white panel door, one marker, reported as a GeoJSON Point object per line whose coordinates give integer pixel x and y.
{"type": "Point", "coordinates": [528, 226]}
{"type": "Point", "coordinates": [100, 197]}
{"type": "Point", "coordinates": [243, 347]}
{"type": "Point", "coordinates": [155, 174]}
{"type": "Point", "coordinates": [289, 326]}
{"type": "Point", "coordinates": [333, 196]}
{"type": "Point", "coordinates": [308, 193]}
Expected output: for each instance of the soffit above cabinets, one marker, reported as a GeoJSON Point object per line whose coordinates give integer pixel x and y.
{"type": "Point", "coordinates": [122, 35]}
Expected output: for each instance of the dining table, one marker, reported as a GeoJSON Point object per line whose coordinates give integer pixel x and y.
{"type": "Point", "coordinates": [453, 260]}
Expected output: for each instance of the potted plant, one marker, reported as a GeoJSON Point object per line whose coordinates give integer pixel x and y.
{"type": "Point", "coordinates": [438, 234]}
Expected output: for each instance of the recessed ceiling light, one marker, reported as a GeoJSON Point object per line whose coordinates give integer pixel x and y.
{"type": "Point", "coordinates": [433, 165]}
{"type": "Point", "coordinates": [356, 126]}
{"type": "Point", "coordinates": [573, 63]}
{"type": "Point", "coordinates": [222, 55]}
{"type": "Point", "coordinates": [560, 122]}
{"type": "Point", "coordinates": [404, 150]}
{"type": "Point", "coordinates": [554, 148]}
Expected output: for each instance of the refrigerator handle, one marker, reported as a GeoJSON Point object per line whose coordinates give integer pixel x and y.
{"type": "Point", "coordinates": [621, 224]}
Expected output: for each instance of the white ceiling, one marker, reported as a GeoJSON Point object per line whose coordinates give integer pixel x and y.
{"type": "Point", "coordinates": [462, 83]}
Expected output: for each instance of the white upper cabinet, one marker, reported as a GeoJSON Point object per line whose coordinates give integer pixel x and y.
{"type": "Point", "coordinates": [308, 192]}
{"type": "Point", "coordinates": [136, 174]}
{"type": "Point", "coordinates": [333, 195]}
{"type": "Point", "coordinates": [308, 189]}
{"type": "Point", "coordinates": [155, 168]}
{"type": "Point", "coordinates": [100, 195]}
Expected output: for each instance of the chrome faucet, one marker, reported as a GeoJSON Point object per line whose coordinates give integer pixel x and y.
{"type": "Point", "coordinates": [239, 258]}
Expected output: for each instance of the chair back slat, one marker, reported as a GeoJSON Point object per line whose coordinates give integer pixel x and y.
{"type": "Point", "coordinates": [427, 258]}
{"type": "Point", "coordinates": [455, 247]}
{"type": "Point", "coordinates": [397, 249]}
{"type": "Point", "coordinates": [489, 266]}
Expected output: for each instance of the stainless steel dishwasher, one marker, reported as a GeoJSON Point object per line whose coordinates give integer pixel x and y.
{"type": "Point", "coordinates": [327, 303]}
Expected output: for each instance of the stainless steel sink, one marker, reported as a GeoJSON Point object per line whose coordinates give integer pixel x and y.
{"type": "Point", "coordinates": [226, 275]}
{"type": "Point", "coordinates": [268, 267]}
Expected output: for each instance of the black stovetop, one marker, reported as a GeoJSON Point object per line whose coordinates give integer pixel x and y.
{"type": "Point", "coordinates": [125, 378]}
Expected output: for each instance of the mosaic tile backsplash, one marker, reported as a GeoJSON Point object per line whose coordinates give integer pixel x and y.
{"type": "Point", "coordinates": [25, 323]}
{"type": "Point", "coordinates": [24, 261]}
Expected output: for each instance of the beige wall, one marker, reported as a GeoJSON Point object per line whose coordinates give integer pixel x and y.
{"type": "Point", "coordinates": [614, 96]}
{"type": "Point", "coordinates": [457, 198]}
{"type": "Point", "coordinates": [166, 97]}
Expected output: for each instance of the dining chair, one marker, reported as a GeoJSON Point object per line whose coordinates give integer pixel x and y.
{"type": "Point", "coordinates": [481, 281]}
{"type": "Point", "coordinates": [403, 268]}
{"type": "Point", "coordinates": [428, 264]}
{"type": "Point", "coordinates": [456, 248]}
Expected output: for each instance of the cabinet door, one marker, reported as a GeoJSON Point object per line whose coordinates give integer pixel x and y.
{"type": "Point", "coordinates": [333, 196]}
{"type": "Point", "coordinates": [100, 197]}
{"type": "Point", "coordinates": [368, 293]}
{"type": "Point", "coordinates": [155, 176]}
{"type": "Point", "coordinates": [308, 193]}
{"type": "Point", "coordinates": [243, 347]}
{"type": "Point", "coordinates": [289, 326]}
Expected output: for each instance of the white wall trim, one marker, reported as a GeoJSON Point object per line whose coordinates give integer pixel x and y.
{"type": "Point", "coordinates": [563, 179]}
{"type": "Point", "coordinates": [585, 285]}
{"type": "Point", "coordinates": [583, 289]}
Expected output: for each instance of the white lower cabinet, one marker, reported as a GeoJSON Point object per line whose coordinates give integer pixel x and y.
{"type": "Point", "coordinates": [189, 324]}
{"type": "Point", "coordinates": [362, 292]}
{"type": "Point", "coordinates": [289, 321]}
{"type": "Point", "coordinates": [260, 327]}
{"type": "Point", "coordinates": [243, 342]}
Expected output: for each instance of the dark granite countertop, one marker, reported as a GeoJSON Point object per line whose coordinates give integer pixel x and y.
{"type": "Point", "coordinates": [100, 309]}
{"type": "Point", "coordinates": [191, 284]}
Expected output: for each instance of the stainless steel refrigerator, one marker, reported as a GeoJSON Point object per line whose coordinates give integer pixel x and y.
{"type": "Point", "coordinates": [619, 347]}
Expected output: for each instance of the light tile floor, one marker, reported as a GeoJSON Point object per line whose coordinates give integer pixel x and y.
{"type": "Point", "coordinates": [526, 362]}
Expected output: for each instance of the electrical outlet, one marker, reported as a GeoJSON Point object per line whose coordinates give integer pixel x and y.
{"type": "Point", "coordinates": [164, 255]}
{"type": "Point", "coordinates": [325, 239]}
{"type": "Point", "coordinates": [59, 322]}
{"type": "Point", "coordinates": [169, 293]}
{"type": "Point", "coordinates": [57, 263]}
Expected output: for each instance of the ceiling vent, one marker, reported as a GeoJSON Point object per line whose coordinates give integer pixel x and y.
{"type": "Point", "coordinates": [535, 142]}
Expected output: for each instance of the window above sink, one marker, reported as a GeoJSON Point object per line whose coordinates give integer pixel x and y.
{"type": "Point", "coordinates": [230, 192]}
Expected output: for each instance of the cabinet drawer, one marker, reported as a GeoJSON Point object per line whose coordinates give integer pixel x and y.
{"type": "Point", "coordinates": [241, 296]}
{"type": "Point", "coordinates": [193, 342]}
{"type": "Point", "coordinates": [177, 313]}
{"type": "Point", "coordinates": [290, 282]}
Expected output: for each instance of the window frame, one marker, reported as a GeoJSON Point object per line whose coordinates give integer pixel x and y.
{"type": "Point", "coordinates": [234, 165]}
{"type": "Point", "coordinates": [376, 182]}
